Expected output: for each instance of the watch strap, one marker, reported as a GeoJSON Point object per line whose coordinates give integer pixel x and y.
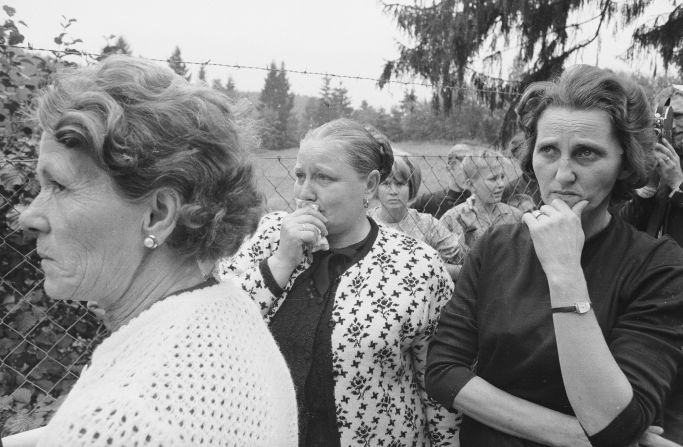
{"type": "Point", "coordinates": [579, 308]}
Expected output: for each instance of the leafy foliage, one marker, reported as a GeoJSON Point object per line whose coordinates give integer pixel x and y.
{"type": "Point", "coordinates": [446, 35]}
{"type": "Point", "coordinates": [667, 37]}
{"type": "Point", "coordinates": [121, 46]}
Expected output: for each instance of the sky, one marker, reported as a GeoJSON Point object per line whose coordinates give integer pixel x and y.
{"type": "Point", "coordinates": [347, 37]}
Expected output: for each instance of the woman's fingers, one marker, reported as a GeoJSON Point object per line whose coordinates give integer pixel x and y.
{"type": "Point", "coordinates": [666, 152]}
{"type": "Point", "coordinates": [309, 216]}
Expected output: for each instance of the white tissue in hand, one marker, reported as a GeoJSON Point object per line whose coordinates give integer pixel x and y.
{"type": "Point", "coordinates": [321, 243]}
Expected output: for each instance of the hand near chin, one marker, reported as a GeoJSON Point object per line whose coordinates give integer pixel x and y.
{"type": "Point", "coordinates": [303, 227]}
{"type": "Point", "coordinates": [557, 235]}
{"type": "Point", "coordinates": [468, 216]}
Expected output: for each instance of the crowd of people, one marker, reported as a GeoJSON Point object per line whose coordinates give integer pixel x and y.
{"type": "Point", "coordinates": [544, 312]}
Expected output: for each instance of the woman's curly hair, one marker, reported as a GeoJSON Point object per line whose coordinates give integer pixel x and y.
{"type": "Point", "coordinates": [148, 128]}
{"type": "Point", "coordinates": [584, 87]}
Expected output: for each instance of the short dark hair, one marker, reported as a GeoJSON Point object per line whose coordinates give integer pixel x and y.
{"type": "Point", "coordinates": [405, 170]}
{"type": "Point", "coordinates": [148, 128]}
{"type": "Point", "coordinates": [584, 87]}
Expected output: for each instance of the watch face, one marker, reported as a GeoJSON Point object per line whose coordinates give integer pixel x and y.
{"type": "Point", "coordinates": [582, 308]}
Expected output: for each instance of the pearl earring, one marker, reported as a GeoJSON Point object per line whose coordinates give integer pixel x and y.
{"type": "Point", "coordinates": [150, 242]}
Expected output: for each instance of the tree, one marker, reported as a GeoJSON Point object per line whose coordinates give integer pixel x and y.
{"type": "Point", "coordinates": [229, 88]}
{"type": "Point", "coordinates": [325, 110]}
{"type": "Point", "coordinates": [178, 65]}
{"type": "Point", "coordinates": [202, 73]}
{"type": "Point", "coordinates": [277, 103]}
{"type": "Point", "coordinates": [447, 34]}
{"type": "Point", "coordinates": [666, 37]}
{"type": "Point", "coordinates": [121, 46]}
{"type": "Point", "coordinates": [340, 101]}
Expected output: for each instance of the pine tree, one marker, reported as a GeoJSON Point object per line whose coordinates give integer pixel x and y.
{"type": "Point", "coordinates": [178, 65]}
{"type": "Point", "coordinates": [341, 103]}
{"type": "Point", "coordinates": [202, 73]}
{"type": "Point", "coordinates": [277, 103]}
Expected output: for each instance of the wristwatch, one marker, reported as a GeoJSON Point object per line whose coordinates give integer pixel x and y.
{"type": "Point", "coordinates": [676, 196]}
{"type": "Point", "coordinates": [579, 308]}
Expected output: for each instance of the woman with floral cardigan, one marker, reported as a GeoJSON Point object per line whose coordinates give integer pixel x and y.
{"type": "Point", "coordinates": [352, 305]}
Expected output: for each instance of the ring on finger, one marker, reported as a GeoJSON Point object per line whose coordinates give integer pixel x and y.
{"type": "Point", "coordinates": [537, 213]}
{"type": "Point", "coordinates": [303, 227]}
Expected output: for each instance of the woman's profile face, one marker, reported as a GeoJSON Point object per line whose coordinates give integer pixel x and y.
{"type": "Point", "coordinates": [324, 176]}
{"type": "Point", "coordinates": [88, 237]}
{"type": "Point", "coordinates": [394, 194]}
{"type": "Point", "coordinates": [577, 157]}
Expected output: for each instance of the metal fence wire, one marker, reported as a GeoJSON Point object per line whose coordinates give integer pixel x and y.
{"type": "Point", "coordinates": [44, 343]}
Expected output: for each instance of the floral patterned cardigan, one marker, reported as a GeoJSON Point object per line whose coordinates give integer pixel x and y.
{"type": "Point", "coordinates": [385, 311]}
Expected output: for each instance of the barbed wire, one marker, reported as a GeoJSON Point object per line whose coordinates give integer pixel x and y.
{"type": "Point", "coordinates": [208, 63]}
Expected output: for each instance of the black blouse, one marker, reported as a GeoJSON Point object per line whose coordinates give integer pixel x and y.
{"type": "Point", "coordinates": [500, 316]}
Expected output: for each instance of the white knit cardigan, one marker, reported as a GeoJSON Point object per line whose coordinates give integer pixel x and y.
{"type": "Point", "coordinates": [385, 310]}
{"type": "Point", "coordinates": [199, 368]}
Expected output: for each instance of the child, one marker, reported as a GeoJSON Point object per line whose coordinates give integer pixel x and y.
{"type": "Point", "coordinates": [484, 209]}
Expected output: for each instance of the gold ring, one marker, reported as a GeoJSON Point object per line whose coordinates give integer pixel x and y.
{"type": "Point", "coordinates": [536, 213]}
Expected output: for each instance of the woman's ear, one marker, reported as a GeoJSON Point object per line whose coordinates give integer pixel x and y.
{"type": "Point", "coordinates": [162, 214]}
{"type": "Point", "coordinates": [372, 183]}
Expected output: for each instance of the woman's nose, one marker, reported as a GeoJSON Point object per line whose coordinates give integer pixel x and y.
{"type": "Point", "coordinates": [306, 191]}
{"type": "Point", "coordinates": [33, 218]}
{"type": "Point", "coordinates": [565, 172]}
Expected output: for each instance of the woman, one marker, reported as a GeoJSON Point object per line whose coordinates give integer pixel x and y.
{"type": "Point", "coordinates": [483, 209]}
{"type": "Point", "coordinates": [142, 177]}
{"type": "Point", "coordinates": [574, 318]}
{"type": "Point", "coordinates": [394, 194]}
{"type": "Point", "coordinates": [351, 305]}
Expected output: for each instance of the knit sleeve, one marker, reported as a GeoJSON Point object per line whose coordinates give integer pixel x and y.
{"type": "Point", "coordinates": [442, 422]}
{"type": "Point", "coordinates": [646, 342]}
{"type": "Point", "coordinates": [245, 264]}
{"type": "Point", "coordinates": [455, 344]}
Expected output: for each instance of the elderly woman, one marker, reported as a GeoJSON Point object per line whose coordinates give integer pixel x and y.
{"type": "Point", "coordinates": [394, 194]}
{"type": "Point", "coordinates": [142, 177]}
{"type": "Point", "coordinates": [573, 317]}
{"type": "Point", "coordinates": [351, 305]}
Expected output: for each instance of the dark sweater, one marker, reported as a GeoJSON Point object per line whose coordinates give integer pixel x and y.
{"type": "Point", "coordinates": [500, 316]}
{"type": "Point", "coordinates": [438, 202]}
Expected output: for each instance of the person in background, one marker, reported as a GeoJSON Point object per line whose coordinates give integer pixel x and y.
{"type": "Point", "coordinates": [484, 209]}
{"type": "Point", "coordinates": [394, 194]}
{"type": "Point", "coordinates": [143, 176]}
{"type": "Point", "coordinates": [524, 185]}
{"type": "Point", "coordinates": [351, 304]}
{"type": "Point", "coordinates": [438, 202]}
{"type": "Point", "coordinates": [657, 209]}
{"type": "Point", "coordinates": [573, 317]}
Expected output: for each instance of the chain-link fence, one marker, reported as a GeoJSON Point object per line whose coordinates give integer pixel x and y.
{"type": "Point", "coordinates": [44, 344]}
